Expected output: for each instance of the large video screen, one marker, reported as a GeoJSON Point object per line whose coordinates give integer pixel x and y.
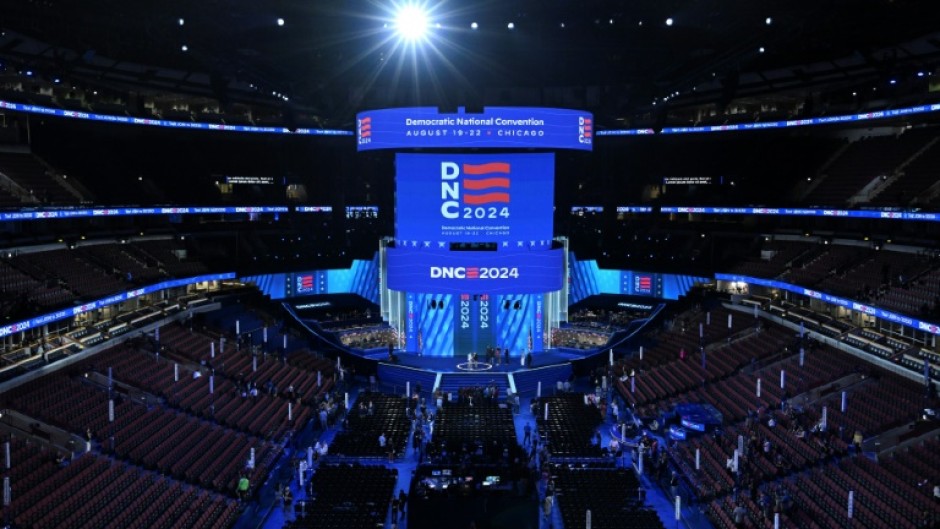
{"type": "Point", "coordinates": [504, 272]}
{"type": "Point", "coordinates": [474, 197]}
{"type": "Point", "coordinates": [495, 127]}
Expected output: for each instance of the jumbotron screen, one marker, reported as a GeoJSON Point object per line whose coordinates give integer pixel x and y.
{"type": "Point", "coordinates": [443, 198]}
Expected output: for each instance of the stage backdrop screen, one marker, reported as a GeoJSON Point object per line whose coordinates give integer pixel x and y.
{"type": "Point", "coordinates": [495, 127]}
{"type": "Point", "coordinates": [502, 272]}
{"type": "Point", "coordinates": [443, 198]}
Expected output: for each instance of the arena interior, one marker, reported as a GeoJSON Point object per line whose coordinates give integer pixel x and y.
{"type": "Point", "coordinates": [362, 264]}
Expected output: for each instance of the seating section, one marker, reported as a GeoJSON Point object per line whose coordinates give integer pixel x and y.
{"type": "Point", "coordinates": [921, 296]}
{"type": "Point", "coordinates": [578, 337]}
{"type": "Point", "coordinates": [671, 380]}
{"type": "Point", "coordinates": [27, 171]}
{"type": "Point", "coordinates": [156, 438]}
{"type": "Point", "coordinates": [571, 425]}
{"type": "Point", "coordinates": [862, 162]}
{"type": "Point", "coordinates": [905, 282]}
{"type": "Point", "coordinates": [917, 178]}
{"type": "Point", "coordinates": [873, 274]}
{"type": "Point", "coordinates": [172, 256]}
{"type": "Point", "coordinates": [794, 462]}
{"type": "Point", "coordinates": [885, 495]}
{"type": "Point", "coordinates": [604, 319]}
{"type": "Point", "coordinates": [612, 496]}
{"type": "Point", "coordinates": [780, 254]}
{"type": "Point", "coordinates": [368, 337]}
{"type": "Point", "coordinates": [684, 335]}
{"type": "Point", "coordinates": [478, 433]}
{"type": "Point", "coordinates": [230, 403]}
{"type": "Point", "coordinates": [346, 497]}
{"type": "Point", "coordinates": [832, 261]}
{"type": "Point", "coordinates": [30, 282]}
{"type": "Point", "coordinates": [122, 259]}
{"type": "Point", "coordinates": [95, 491]}
{"type": "Point", "coordinates": [361, 437]}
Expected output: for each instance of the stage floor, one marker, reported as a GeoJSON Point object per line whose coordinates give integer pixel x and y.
{"type": "Point", "coordinates": [449, 364]}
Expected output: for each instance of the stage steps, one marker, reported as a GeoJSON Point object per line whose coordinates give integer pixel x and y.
{"type": "Point", "coordinates": [527, 381]}
{"type": "Point", "coordinates": [451, 382]}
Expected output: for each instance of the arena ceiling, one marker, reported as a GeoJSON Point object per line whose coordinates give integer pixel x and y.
{"type": "Point", "coordinates": [334, 57]}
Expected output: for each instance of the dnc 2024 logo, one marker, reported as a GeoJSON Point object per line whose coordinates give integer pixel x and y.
{"type": "Point", "coordinates": [364, 130]}
{"type": "Point", "coordinates": [475, 191]}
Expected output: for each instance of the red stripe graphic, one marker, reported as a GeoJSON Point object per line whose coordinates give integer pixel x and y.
{"type": "Point", "coordinates": [365, 134]}
{"type": "Point", "coordinates": [485, 168]}
{"type": "Point", "coordinates": [366, 120]}
{"type": "Point", "coordinates": [366, 126]}
{"type": "Point", "coordinates": [486, 198]}
{"type": "Point", "coordinates": [484, 183]}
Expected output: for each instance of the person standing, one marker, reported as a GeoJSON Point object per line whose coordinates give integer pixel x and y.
{"type": "Point", "coordinates": [243, 486]}
{"type": "Point", "coordinates": [288, 497]}
{"type": "Point", "coordinates": [402, 500]}
{"type": "Point", "coordinates": [528, 434]}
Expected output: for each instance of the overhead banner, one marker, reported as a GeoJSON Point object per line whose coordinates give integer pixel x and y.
{"type": "Point", "coordinates": [495, 127]}
{"type": "Point", "coordinates": [505, 272]}
{"type": "Point", "coordinates": [443, 198]}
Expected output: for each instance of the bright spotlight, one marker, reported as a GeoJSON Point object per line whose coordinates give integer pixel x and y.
{"type": "Point", "coordinates": [474, 25]}
{"type": "Point", "coordinates": [280, 22]}
{"type": "Point", "coordinates": [411, 22]}
{"type": "Point", "coordinates": [669, 21]}
{"type": "Point", "coordinates": [511, 25]}
{"type": "Point", "coordinates": [768, 21]}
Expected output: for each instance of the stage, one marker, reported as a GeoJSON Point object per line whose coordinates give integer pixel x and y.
{"type": "Point", "coordinates": [450, 364]}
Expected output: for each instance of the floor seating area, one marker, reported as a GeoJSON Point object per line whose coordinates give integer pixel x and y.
{"type": "Point", "coordinates": [571, 425]}
{"type": "Point", "coordinates": [613, 495]}
{"type": "Point", "coordinates": [483, 432]}
{"type": "Point", "coordinates": [346, 497]}
{"type": "Point", "coordinates": [361, 436]}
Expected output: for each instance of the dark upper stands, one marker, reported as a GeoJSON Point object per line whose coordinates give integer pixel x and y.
{"type": "Point", "coordinates": [33, 177]}
{"type": "Point", "coordinates": [863, 161]}
{"type": "Point", "coordinates": [916, 178]}
{"type": "Point", "coordinates": [30, 282]}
